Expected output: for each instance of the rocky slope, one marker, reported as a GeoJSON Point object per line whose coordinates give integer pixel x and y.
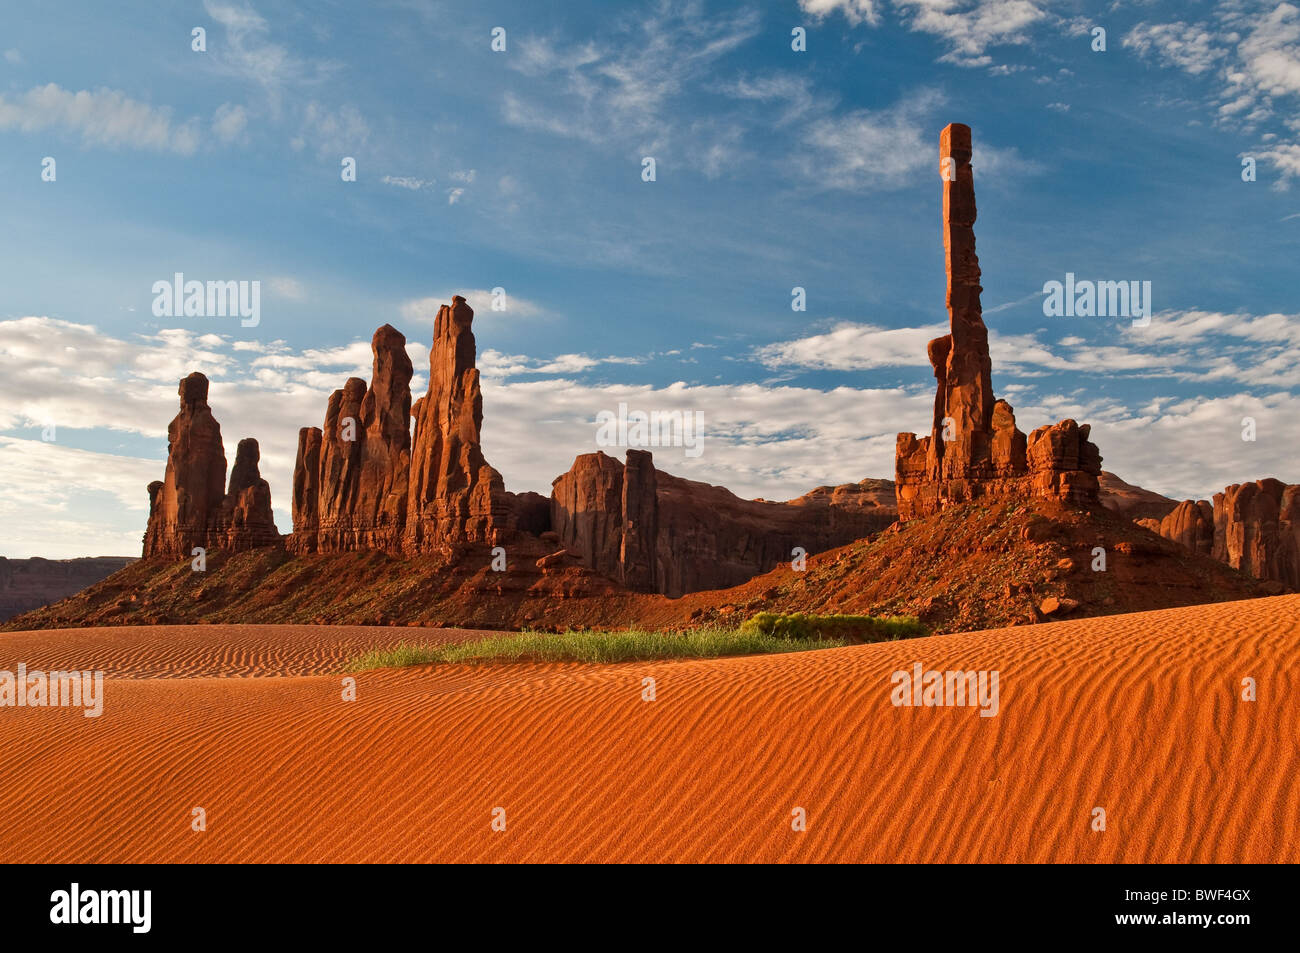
{"type": "Point", "coordinates": [972, 565]}
{"type": "Point", "coordinates": [991, 563]}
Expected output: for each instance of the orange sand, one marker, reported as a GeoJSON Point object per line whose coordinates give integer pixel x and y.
{"type": "Point", "coordinates": [1139, 714]}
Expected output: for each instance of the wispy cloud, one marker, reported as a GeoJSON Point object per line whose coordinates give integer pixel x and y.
{"type": "Point", "coordinates": [624, 92]}
{"type": "Point", "coordinates": [407, 182]}
{"type": "Point", "coordinates": [425, 310]}
{"type": "Point", "coordinates": [105, 117]}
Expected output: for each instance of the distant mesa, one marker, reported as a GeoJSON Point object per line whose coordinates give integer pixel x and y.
{"type": "Point", "coordinates": [656, 532]}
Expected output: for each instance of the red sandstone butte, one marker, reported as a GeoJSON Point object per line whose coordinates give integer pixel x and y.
{"type": "Point", "coordinates": [245, 520]}
{"type": "Point", "coordinates": [454, 497]}
{"type": "Point", "coordinates": [656, 532]}
{"type": "Point", "coordinates": [350, 477]}
{"type": "Point", "coordinates": [190, 507]}
{"type": "Point", "coordinates": [975, 448]}
{"type": "Point", "coordinates": [1253, 527]}
{"type": "Point", "coordinates": [1257, 530]}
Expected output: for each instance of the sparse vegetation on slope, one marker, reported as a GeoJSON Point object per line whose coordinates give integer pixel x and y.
{"type": "Point", "coordinates": [597, 647]}
{"type": "Point", "coordinates": [851, 628]}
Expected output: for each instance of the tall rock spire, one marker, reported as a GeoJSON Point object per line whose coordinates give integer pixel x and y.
{"type": "Point", "coordinates": [454, 496]}
{"type": "Point", "coordinates": [190, 506]}
{"type": "Point", "coordinates": [350, 477]}
{"type": "Point", "coordinates": [183, 505]}
{"type": "Point", "coordinates": [967, 380]}
{"type": "Point", "coordinates": [975, 448]}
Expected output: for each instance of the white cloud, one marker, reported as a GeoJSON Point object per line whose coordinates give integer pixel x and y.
{"type": "Point", "coordinates": [1285, 157]}
{"type": "Point", "coordinates": [855, 11]}
{"type": "Point", "coordinates": [853, 347]}
{"type": "Point", "coordinates": [453, 195]}
{"type": "Point", "coordinates": [1258, 351]}
{"type": "Point", "coordinates": [333, 132]}
{"type": "Point", "coordinates": [249, 55]}
{"type": "Point", "coordinates": [866, 148]}
{"type": "Point", "coordinates": [627, 93]}
{"type": "Point", "coordinates": [425, 310]}
{"type": "Point", "coordinates": [792, 89]}
{"type": "Point", "coordinates": [56, 496]}
{"type": "Point", "coordinates": [229, 122]}
{"type": "Point", "coordinates": [105, 117]}
{"type": "Point", "coordinates": [970, 27]}
{"type": "Point", "coordinates": [13, 57]}
{"type": "Point", "coordinates": [407, 182]}
{"type": "Point", "coordinates": [285, 286]}
{"type": "Point", "coordinates": [1188, 47]}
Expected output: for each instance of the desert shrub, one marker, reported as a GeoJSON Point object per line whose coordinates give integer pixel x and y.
{"type": "Point", "coordinates": [595, 646]}
{"type": "Point", "coordinates": [848, 628]}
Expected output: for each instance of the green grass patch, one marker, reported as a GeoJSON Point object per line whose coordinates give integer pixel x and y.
{"type": "Point", "coordinates": [597, 647]}
{"type": "Point", "coordinates": [844, 628]}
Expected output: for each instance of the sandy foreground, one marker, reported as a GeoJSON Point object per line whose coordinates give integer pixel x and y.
{"type": "Point", "coordinates": [1138, 714]}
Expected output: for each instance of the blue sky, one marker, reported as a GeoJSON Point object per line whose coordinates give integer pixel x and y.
{"type": "Point", "coordinates": [521, 169]}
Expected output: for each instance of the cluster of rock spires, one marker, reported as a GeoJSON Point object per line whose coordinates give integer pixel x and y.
{"type": "Point", "coordinates": [1254, 527]}
{"type": "Point", "coordinates": [975, 449]}
{"type": "Point", "coordinates": [367, 480]}
{"type": "Point", "coordinates": [192, 506]}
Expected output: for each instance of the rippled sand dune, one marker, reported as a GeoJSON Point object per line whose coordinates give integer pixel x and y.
{"type": "Point", "coordinates": [1138, 714]}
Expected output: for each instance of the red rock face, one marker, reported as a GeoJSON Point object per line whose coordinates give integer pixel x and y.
{"type": "Point", "coordinates": [587, 511]}
{"type": "Point", "coordinates": [640, 527]}
{"type": "Point", "coordinates": [350, 477]}
{"type": "Point", "coordinates": [454, 496]}
{"type": "Point", "coordinates": [975, 449]}
{"type": "Point", "coordinates": [656, 532]}
{"type": "Point", "coordinates": [183, 506]}
{"type": "Point", "coordinates": [1190, 523]}
{"type": "Point", "coordinates": [1254, 527]}
{"type": "Point", "coordinates": [966, 373]}
{"type": "Point", "coordinates": [306, 491]}
{"type": "Point", "coordinates": [1255, 530]}
{"type": "Point", "coordinates": [364, 481]}
{"type": "Point", "coordinates": [245, 520]}
{"type": "Point", "coordinates": [190, 508]}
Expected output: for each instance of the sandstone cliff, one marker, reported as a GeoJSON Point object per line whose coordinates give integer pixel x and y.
{"type": "Point", "coordinates": [1254, 527]}
{"type": "Point", "coordinates": [656, 532]}
{"type": "Point", "coordinates": [366, 481]}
